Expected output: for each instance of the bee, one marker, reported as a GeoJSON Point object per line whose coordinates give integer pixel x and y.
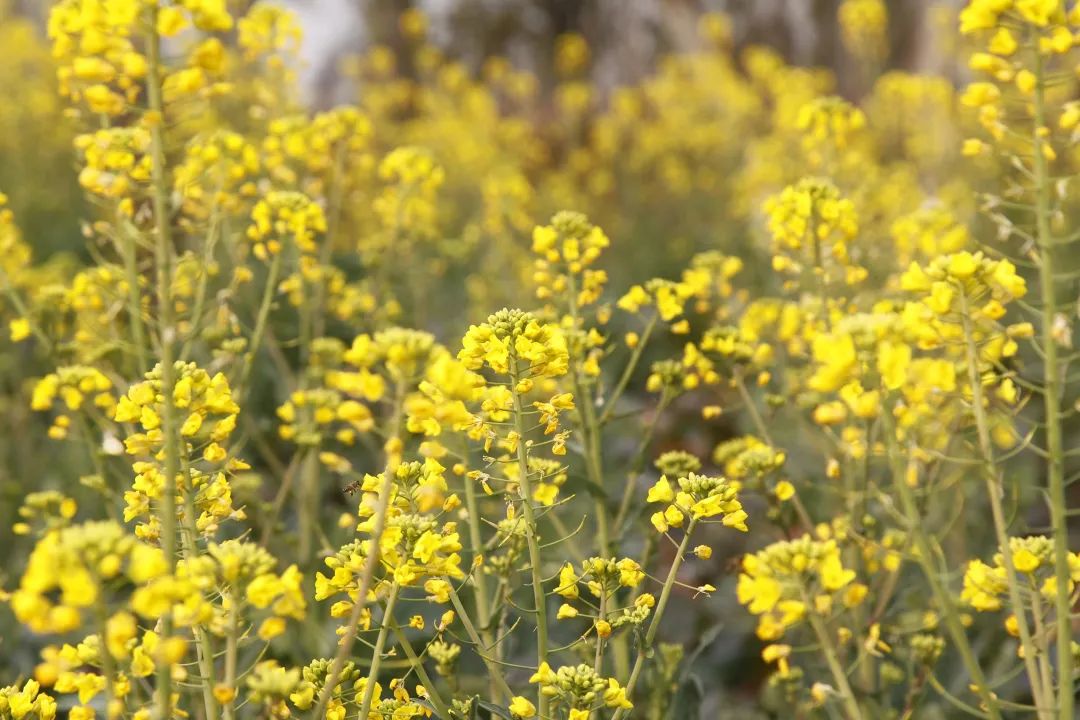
{"type": "Point", "coordinates": [352, 488]}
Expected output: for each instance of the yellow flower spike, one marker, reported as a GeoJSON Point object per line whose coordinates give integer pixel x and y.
{"type": "Point", "coordinates": [941, 298]}
{"type": "Point", "coordinates": [661, 492]}
{"type": "Point", "coordinates": [1025, 82]}
{"type": "Point", "coordinates": [544, 675]}
{"type": "Point", "coordinates": [615, 696]}
{"type": "Point", "coordinates": [271, 628]}
{"type": "Point", "coordinates": [173, 650]}
{"type": "Point", "coordinates": [1003, 43]}
{"type": "Point", "coordinates": [673, 516]}
{"type": "Point", "coordinates": [191, 425]}
{"type": "Point", "coordinates": [19, 329]}
{"type": "Point", "coordinates": [521, 707]}
{"type": "Point", "coordinates": [568, 581]}
{"type": "Point", "coordinates": [779, 654]}
{"type": "Point", "coordinates": [854, 594]}
{"type": "Point", "coordinates": [1037, 12]}
{"type": "Point", "coordinates": [1025, 561]}
{"type": "Point", "coordinates": [659, 521]}
{"type": "Point", "coordinates": [224, 693]}
{"type": "Point", "coordinates": [784, 491]}
{"type": "Point", "coordinates": [980, 94]}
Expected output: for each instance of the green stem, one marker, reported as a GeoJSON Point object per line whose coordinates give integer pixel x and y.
{"type": "Point", "coordinates": [763, 431]}
{"type": "Point", "coordinates": [204, 648]}
{"type": "Point", "coordinates": [635, 467]}
{"type": "Point", "coordinates": [628, 371]}
{"type": "Point", "coordinates": [204, 280]}
{"type": "Point", "coordinates": [333, 222]}
{"type": "Point", "coordinates": [525, 492]}
{"type": "Point", "coordinates": [598, 658]}
{"type": "Point", "coordinates": [594, 467]}
{"type": "Point", "coordinates": [260, 322]}
{"type": "Point", "coordinates": [20, 308]}
{"type": "Point", "coordinates": [482, 648]}
{"type": "Point", "coordinates": [1040, 638]}
{"type": "Point", "coordinates": [591, 434]}
{"type": "Point", "coordinates": [231, 640]}
{"type": "Point", "coordinates": [270, 522]}
{"type": "Point", "coordinates": [107, 666]}
{"type": "Point", "coordinates": [566, 536]}
{"type": "Point", "coordinates": [370, 563]}
{"type": "Point", "coordinates": [620, 645]}
{"type": "Point", "coordinates": [646, 648]}
{"type": "Point", "coordinates": [377, 651]}
{"type": "Point", "coordinates": [1052, 409]}
{"type": "Point", "coordinates": [307, 499]}
{"type": "Point", "coordinates": [417, 665]}
{"type": "Point", "coordinates": [479, 578]}
{"type": "Point", "coordinates": [924, 556]}
{"type": "Point", "coordinates": [994, 491]}
{"type": "Point", "coordinates": [163, 250]}
{"type": "Point", "coordinates": [99, 466]}
{"type": "Point", "coordinates": [828, 649]}
{"type": "Point", "coordinates": [131, 277]}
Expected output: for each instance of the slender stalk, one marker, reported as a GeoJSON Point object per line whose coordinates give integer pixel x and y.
{"type": "Point", "coordinates": [417, 664]}
{"type": "Point", "coordinates": [204, 648]}
{"type": "Point", "coordinates": [228, 711]}
{"type": "Point", "coordinates": [497, 678]}
{"type": "Point", "coordinates": [598, 658]}
{"type": "Point", "coordinates": [370, 563]}
{"type": "Point", "coordinates": [594, 465]}
{"type": "Point", "coordinates": [566, 536]}
{"type": "Point", "coordinates": [308, 510]}
{"type": "Point", "coordinates": [163, 252]}
{"type": "Point", "coordinates": [763, 431]}
{"type": "Point", "coordinates": [99, 466]}
{"type": "Point", "coordinates": [131, 277]}
{"type": "Point", "coordinates": [270, 522]}
{"type": "Point", "coordinates": [23, 312]}
{"type": "Point", "coordinates": [621, 643]}
{"type": "Point", "coordinates": [924, 555]}
{"type": "Point", "coordinates": [635, 468]}
{"type": "Point", "coordinates": [628, 371]}
{"type": "Point", "coordinates": [212, 235]}
{"type": "Point", "coordinates": [1040, 636]}
{"type": "Point", "coordinates": [828, 650]}
{"type": "Point", "coordinates": [1052, 409]}
{"type": "Point", "coordinates": [261, 319]}
{"type": "Point", "coordinates": [377, 652]}
{"type": "Point", "coordinates": [591, 433]}
{"type": "Point", "coordinates": [107, 666]}
{"type": "Point", "coordinates": [994, 491]}
{"type": "Point", "coordinates": [525, 491]}
{"type": "Point", "coordinates": [479, 579]}
{"type": "Point", "coordinates": [645, 650]}
{"type": "Point", "coordinates": [333, 222]}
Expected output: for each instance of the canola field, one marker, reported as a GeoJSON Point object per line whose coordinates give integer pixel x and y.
{"type": "Point", "coordinates": [491, 394]}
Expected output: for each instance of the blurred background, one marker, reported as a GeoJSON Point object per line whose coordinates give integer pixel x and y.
{"type": "Point", "coordinates": [626, 39]}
